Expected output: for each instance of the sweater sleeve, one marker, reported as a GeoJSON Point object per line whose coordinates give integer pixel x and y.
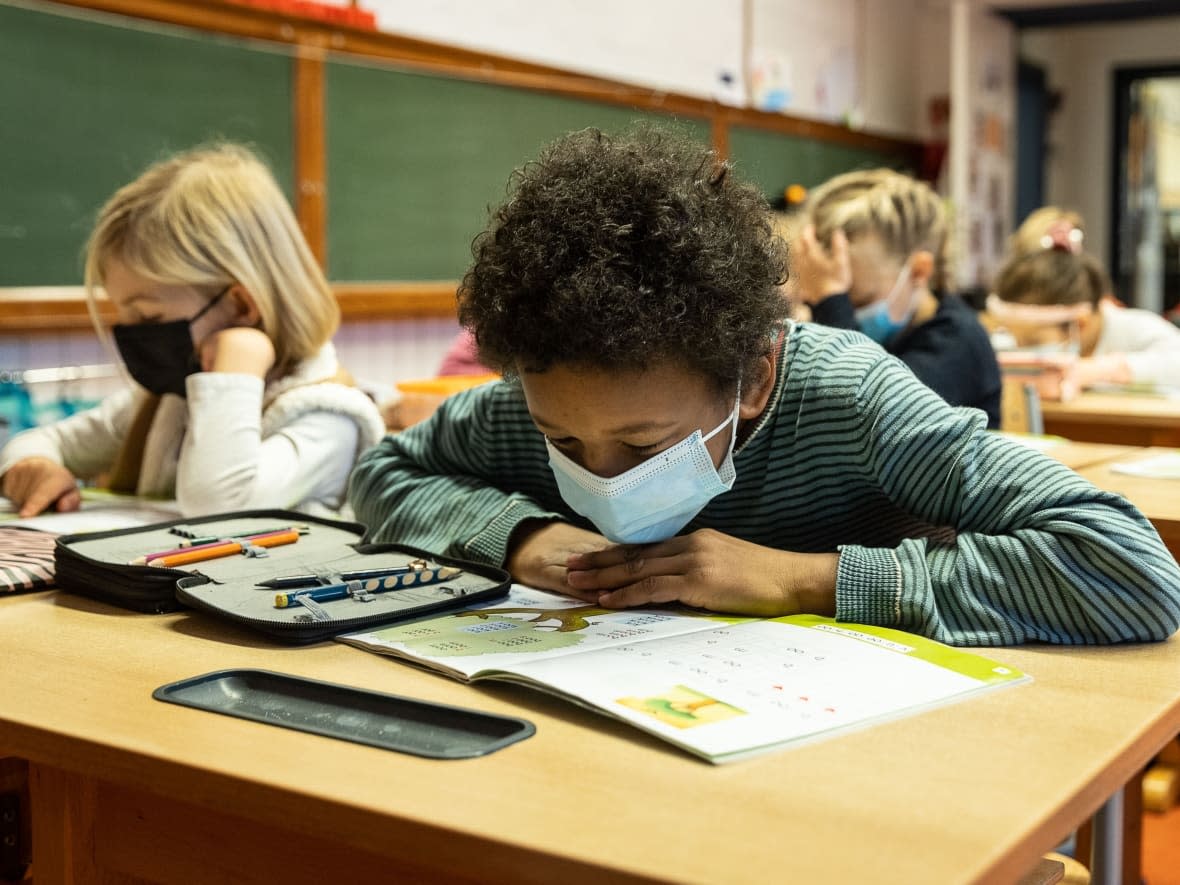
{"type": "Point", "coordinates": [1150, 344]}
{"type": "Point", "coordinates": [85, 443]}
{"type": "Point", "coordinates": [1033, 552]}
{"type": "Point", "coordinates": [226, 464]}
{"type": "Point", "coordinates": [444, 485]}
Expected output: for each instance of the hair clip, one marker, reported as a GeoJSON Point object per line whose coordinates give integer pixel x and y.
{"type": "Point", "coordinates": [1063, 237]}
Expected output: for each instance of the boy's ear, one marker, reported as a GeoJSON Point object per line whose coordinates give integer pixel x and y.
{"type": "Point", "coordinates": [756, 395]}
{"type": "Point", "coordinates": [245, 309]}
{"type": "Point", "coordinates": [922, 266]}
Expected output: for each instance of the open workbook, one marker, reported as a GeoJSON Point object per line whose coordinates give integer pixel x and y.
{"type": "Point", "coordinates": [721, 687]}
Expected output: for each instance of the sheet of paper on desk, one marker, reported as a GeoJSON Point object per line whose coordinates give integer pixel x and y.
{"type": "Point", "coordinates": [722, 688]}
{"type": "Point", "coordinates": [100, 512]}
{"type": "Point", "coordinates": [1165, 466]}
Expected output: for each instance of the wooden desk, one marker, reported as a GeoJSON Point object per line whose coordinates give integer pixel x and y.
{"type": "Point", "coordinates": [1077, 455]}
{"type": "Point", "coordinates": [125, 786]}
{"type": "Point", "coordinates": [1159, 499]}
{"type": "Point", "coordinates": [1126, 419]}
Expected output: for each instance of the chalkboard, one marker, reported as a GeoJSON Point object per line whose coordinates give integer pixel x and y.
{"type": "Point", "coordinates": [87, 105]}
{"type": "Point", "coordinates": [415, 161]}
{"type": "Point", "coordinates": [775, 160]}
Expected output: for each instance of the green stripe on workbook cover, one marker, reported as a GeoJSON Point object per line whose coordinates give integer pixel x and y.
{"type": "Point", "coordinates": [967, 662]}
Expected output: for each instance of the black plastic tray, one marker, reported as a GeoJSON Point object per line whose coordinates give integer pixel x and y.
{"type": "Point", "coordinates": [422, 728]}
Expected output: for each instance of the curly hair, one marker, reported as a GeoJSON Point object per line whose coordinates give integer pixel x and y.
{"type": "Point", "coordinates": [617, 252]}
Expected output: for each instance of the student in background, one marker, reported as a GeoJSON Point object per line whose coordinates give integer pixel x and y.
{"type": "Point", "coordinates": [1047, 227]}
{"type": "Point", "coordinates": [871, 254]}
{"type": "Point", "coordinates": [412, 407]}
{"type": "Point", "coordinates": [1058, 297]}
{"type": "Point", "coordinates": [224, 321]}
{"type": "Point", "coordinates": [667, 435]}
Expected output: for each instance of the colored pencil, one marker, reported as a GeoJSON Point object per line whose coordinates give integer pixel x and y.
{"type": "Point", "coordinates": [217, 551]}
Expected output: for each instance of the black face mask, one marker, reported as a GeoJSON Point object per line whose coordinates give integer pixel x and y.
{"type": "Point", "coordinates": [160, 356]}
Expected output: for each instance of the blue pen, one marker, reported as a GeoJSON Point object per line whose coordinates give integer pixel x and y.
{"type": "Point", "coordinates": [415, 578]}
{"type": "Point", "coordinates": [289, 581]}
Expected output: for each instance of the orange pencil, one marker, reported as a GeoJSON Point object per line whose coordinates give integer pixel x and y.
{"type": "Point", "coordinates": [217, 551]}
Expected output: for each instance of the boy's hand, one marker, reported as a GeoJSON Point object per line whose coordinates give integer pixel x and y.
{"type": "Point", "coordinates": [34, 484]}
{"type": "Point", "coordinates": [709, 570]}
{"type": "Point", "coordinates": [540, 551]}
{"type": "Point", "coordinates": [817, 274]}
{"type": "Point", "coordinates": [242, 349]}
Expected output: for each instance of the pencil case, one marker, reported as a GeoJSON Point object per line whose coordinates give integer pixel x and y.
{"type": "Point", "coordinates": [294, 577]}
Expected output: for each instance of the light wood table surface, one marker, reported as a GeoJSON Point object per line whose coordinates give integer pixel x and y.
{"type": "Point", "coordinates": [126, 788]}
{"type": "Point", "coordinates": [1125, 419]}
{"type": "Point", "coordinates": [1078, 455]}
{"type": "Point", "coordinates": [1158, 499]}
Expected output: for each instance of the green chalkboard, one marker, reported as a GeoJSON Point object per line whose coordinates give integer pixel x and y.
{"type": "Point", "coordinates": [86, 105]}
{"type": "Point", "coordinates": [774, 160]}
{"type": "Point", "coordinates": [415, 161]}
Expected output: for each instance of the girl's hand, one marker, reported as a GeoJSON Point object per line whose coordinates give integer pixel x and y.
{"type": "Point", "coordinates": [815, 273]}
{"type": "Point", "coordinates": [242, 349]}
{"type": "Point", "coordinates": [540, 551]}
{"type": "Point", "coordinates": [709, 570]}
{"type": "Point", "coordinates": [34, 484]}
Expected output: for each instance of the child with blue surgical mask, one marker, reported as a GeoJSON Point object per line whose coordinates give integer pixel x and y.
{"type": "Point", "coordinates": [869, 252]}
{"type": "Point", "coordinates": [665, 433]}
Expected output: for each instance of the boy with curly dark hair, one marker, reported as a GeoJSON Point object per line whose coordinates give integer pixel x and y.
{"type": "Point", "coordinates": [666, 434]}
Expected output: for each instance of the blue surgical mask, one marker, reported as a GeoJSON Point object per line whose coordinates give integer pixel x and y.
{"type": "Point", "coordinates": [885, 318]}
{"type": "Point", "coordinates": [654, 500]}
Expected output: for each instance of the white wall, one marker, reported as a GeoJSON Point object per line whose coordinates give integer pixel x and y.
{"type": "Point", "coordinates": [675, 45]}
{"type": "Point", "coordinates": [1080, 62]}
{"type": "Point", "coordinates": [836, 59]}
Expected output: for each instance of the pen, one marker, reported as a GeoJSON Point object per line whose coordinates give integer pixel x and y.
{"type": "Point", "coordinates": [214, 542]}
{"type": "Point", "coordinates": [411, 578]}
{"type": "Point", "coordinates": [213, 539]}
{"type": "Point", "coordinates": [229, 548]}
{"type": "Point", "coordinates": [303, 580]}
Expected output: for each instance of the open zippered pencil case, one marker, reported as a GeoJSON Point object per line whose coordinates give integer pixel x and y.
{"type": "Point", "coordinates": [297, 578]}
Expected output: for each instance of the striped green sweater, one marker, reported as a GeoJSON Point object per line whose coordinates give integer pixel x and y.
{"type": "Point", "coordinates": [943, 528]}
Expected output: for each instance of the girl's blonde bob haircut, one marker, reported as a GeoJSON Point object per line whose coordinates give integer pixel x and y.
{"type": "Point", "coordinates": [905, 213]}
{"type": "Point", "coordinates": [212, 217]}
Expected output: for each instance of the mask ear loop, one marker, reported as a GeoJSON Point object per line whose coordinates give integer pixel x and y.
{"type": "Point", "coordinates": [732, 419]}
{"type": "Point", "coordinates": [899, 306]}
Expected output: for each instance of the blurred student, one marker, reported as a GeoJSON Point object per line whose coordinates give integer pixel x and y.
{"type": "Point", "coordinates": [871, 255]}
{"type": "Point", "coordinates": [460, 364]}
{"type": "Point", "coordinates": [666, 434]}
{"type": "Point", "coordinates": [224, 321]}
{"type": "Point", "coordinates": [1049, 227]}
{"type": "Point", "coordinates": [1058, 298]}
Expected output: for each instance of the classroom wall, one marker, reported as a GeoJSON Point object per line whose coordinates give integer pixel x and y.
{"type": "Point", "coordinates": [837, 60]}
{"type": "Point", "coordinates": [1080, 62]}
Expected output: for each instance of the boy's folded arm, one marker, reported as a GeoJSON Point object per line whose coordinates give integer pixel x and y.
{"type": "Point", "coordinates": [1021, 548]}
{"type": "Point", "coordinates": [400, 499]}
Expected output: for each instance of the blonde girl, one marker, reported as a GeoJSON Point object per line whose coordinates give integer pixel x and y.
{"type": "Point", "coordinates": [872, 255]}
{"type": "Point", "coordinates": [1058, 298]}
{"type": "Point", "coordinates": [224, 321]}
